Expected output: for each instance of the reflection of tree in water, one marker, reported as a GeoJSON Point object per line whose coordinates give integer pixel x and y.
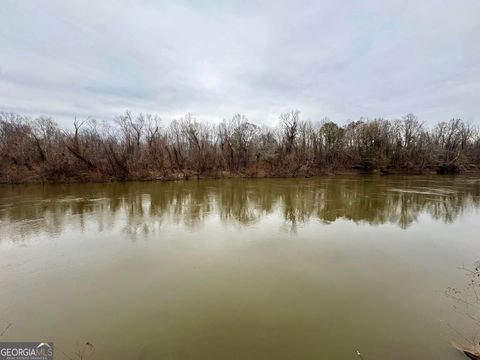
{"type": "Point", "coordinates": [144, 207]}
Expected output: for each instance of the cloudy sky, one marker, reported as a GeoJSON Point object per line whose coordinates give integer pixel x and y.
{"type": "Point", "coordinates": [338, 59]}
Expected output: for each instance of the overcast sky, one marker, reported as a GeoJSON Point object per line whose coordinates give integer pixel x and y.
{"type": "Point", "coordinates": [337, 59]}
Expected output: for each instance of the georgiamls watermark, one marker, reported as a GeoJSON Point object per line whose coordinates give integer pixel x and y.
{"type": "Point", "coordinates": [26, 351]}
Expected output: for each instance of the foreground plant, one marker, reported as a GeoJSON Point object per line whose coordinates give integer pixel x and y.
{"type": "Point", "coordinates": [467, 303]}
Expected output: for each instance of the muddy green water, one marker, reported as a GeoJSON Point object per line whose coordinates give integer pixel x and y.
{"type": "Point", "coordinates": [239, 269]}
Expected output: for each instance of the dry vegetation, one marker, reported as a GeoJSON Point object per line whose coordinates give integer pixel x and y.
{"type": "Point", "coordinates": [467, 304]}
{"type": "Point", "coordinates": [142, 147]}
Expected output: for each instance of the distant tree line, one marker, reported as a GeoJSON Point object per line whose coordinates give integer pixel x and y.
{"type": "Point", "coordinates": [142, 147]}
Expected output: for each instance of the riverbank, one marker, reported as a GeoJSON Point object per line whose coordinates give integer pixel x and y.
{"type": "Point", "coordinates": [37, 176]}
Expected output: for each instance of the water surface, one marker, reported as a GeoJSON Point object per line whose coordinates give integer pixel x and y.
{"type": "Point", "coordinates": [239, 269]}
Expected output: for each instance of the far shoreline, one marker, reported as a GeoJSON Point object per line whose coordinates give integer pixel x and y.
{"type": "Point", "coordinates": [87, 178]}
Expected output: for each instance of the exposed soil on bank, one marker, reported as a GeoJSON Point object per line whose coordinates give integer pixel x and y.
{"type": "Point", "coordinates": [32, 176]}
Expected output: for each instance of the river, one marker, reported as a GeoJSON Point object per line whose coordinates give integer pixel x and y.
{"type": "Point", "coordinates": [275, 269]}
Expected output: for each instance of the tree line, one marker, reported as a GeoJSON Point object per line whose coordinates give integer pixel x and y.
{"type": "Point", "coordinates": [141, 147]}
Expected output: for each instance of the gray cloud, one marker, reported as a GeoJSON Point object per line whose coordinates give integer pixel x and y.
{"type": "Point", "coordinates": [343, 59]}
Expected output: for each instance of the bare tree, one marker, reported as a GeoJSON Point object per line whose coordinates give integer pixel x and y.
{"type": "Point", "coordinates": [138, 147]}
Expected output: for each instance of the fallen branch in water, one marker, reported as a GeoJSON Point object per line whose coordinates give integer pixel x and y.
{"type": "Point", "coordinates": [9, 324]}
{"type": "Point", "coordinates": [472, 352]}
{"type": "Point", "coordinates": [86, 351]}
{"type": "Point", "coordinates": [471, 356]}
